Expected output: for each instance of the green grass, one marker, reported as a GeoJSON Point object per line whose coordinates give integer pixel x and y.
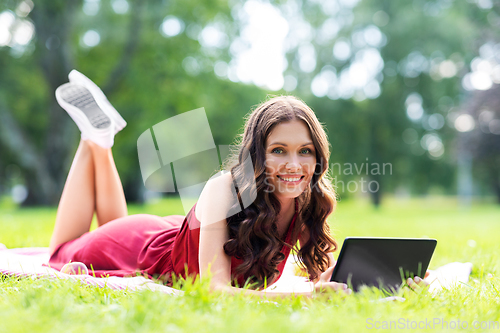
{"type": "Point", "coordinates": [466, 235]}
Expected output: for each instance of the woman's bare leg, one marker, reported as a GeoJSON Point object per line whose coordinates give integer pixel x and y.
{"type": "Point", "coordinates": [110, 201]}
{"type": "Point", "coordinates": [77, 204]}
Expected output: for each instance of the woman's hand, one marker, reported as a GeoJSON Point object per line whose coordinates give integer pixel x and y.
{"type": "Point", "coordinates": [324, 284]}
{"type": "Point", "coordinates": [417, 283]}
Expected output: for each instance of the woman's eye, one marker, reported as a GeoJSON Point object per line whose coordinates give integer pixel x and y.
{"type": "Point", "coordinates": [305, 151]}
{"type": "Point", "coordinates": [277, 150]}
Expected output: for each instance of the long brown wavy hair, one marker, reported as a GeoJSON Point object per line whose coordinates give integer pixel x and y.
{"type": "Point", "coordinates": [253, 234]}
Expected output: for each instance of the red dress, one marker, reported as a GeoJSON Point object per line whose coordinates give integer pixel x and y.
{"type": "Point", "coordinates": [145, 244]}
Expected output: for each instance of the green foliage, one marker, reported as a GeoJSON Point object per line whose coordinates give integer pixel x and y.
{"type": "Point", "coordinates": [373, 129]}
{"type": "Point", "coordinates": [148, 79]}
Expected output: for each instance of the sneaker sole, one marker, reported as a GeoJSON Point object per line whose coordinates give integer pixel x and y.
{"type": "Point", "coordinates": [80, 79]}
{"type": "Point", "coordinates": [81, 98]}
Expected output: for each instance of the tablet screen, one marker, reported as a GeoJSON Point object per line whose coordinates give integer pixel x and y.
{"type": "Point", "coordinates": [382, 262]}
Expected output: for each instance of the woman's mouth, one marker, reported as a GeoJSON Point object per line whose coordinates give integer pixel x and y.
{"type": "Point", "coordinates": [291, 180]}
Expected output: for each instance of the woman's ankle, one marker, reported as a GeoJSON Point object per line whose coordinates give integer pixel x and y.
{"type": "Point", "coordinates": [96, 149]}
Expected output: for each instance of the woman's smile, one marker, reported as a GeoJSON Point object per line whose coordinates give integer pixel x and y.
{"type": "Point", "coordinates": [291, 180]}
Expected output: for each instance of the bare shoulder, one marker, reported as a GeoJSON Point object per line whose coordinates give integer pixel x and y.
{"type": "Point", "coordinates": [216, 199]}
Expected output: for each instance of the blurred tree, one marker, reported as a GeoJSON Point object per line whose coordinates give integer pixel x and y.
{"type": "Point", "coordinates": [482, 141]}
{"type": "Point", "coordinates": [50, 61]}
{"type": "Point", "coordinates": [385, 77]}
{"type": "Point", "coordinates": [388, 75]}
{"type": "Point", "coordinates": [131, 51]}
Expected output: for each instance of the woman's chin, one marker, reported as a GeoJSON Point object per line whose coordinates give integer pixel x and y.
{"type": "Point", "coordinates": [288, 194]}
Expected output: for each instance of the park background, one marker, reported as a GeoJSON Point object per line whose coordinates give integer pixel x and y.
{"type": "Point", "coordinates": [413, 84]}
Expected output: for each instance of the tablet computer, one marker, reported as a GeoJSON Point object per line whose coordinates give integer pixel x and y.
{"type": "Point", "coordinates": [384, 263]}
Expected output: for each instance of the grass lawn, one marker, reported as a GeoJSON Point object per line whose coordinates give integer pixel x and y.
{"type": "Point", "coordinates": [463, 234]}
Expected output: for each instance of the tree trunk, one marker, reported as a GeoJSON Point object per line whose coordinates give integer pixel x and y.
{"type": "Point", "coordinates": [46, 169]}
{"type": "Point", "coordinates": [496, 188]}
{"type": "Point", "coordinates": [495, 180]}
{"type": "Point", "coordinates": [39, 179]}
{"type": "Point", "coordinates": [53, 23]}
{"type": "Point", "coordinates": [376, 151]}
{"type": "Point", "coordinates": [376, 196]}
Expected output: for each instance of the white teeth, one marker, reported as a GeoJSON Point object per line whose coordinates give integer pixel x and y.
{"type": "Point", "coordinates": [290, 179]}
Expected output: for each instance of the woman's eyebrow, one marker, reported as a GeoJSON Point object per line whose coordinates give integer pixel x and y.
{"type": "Point", "coordinates": [285, 145]}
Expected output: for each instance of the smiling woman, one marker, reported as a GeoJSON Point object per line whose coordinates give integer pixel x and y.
{"type": "Point", "coordinates": [290, 151]}
{"type": "Point", "coordinates": [234, 242]}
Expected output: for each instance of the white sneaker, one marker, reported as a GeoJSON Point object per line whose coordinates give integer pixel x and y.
{"type": "Point", "coordinates": [78, 78]}
{"type": "Point", "coordinates": [81, 105]}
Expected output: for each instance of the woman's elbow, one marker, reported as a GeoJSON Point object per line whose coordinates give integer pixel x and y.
{"type": "Point", "coordinates": [218, 285]}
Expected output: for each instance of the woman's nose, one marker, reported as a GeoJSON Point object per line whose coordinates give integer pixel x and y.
{"type": "Point", "coordinates": [293, 164]}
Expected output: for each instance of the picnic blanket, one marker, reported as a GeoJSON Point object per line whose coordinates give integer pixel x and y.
{"type": "Point", "coordinates": [32, 262]}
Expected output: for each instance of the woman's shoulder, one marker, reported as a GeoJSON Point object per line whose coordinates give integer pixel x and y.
{"type": "Point", "coordinates": [217, 198]}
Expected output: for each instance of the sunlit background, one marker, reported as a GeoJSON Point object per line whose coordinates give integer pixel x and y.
{"type": "Point", "coordinates": [413, 84]}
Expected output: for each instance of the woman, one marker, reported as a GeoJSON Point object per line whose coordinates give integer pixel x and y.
{"type": "Point", "coordinates": [289, 153]}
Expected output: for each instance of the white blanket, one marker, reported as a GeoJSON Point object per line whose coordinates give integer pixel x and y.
{"type": "Point", "coordinates": [29, 262]}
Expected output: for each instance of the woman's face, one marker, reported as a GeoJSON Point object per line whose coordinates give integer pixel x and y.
{"type": "Point", "coordinates": [290, 159]}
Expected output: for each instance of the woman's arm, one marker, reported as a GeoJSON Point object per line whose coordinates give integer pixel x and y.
{"type": "Point", "coordinates": [211, 210]}
{"type": "Point", "coordinates": [214, 261]}
{"type": "Point", "coordinates": [215, 199]}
